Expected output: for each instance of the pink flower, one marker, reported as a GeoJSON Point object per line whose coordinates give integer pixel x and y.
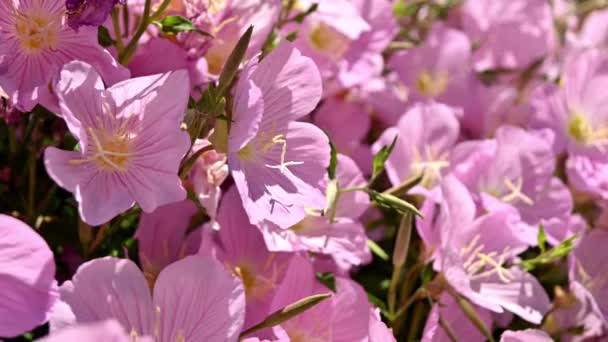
{"type": "Point", "coordinates": [576, 113]}
{"type": "Point", "coordinates": [515, 171]}
{"type": "Point", "coordinates": [35, 42]}
{"type": "Point", "coordinates": [439, 68]}
{"type": "Point", "coordinates": [511, 34]}
{"type": "Point", "coordinates": [28, 288]}
{"type": "Point", "coordinates": [242, 250]}
{"type": "Point", "coordinates": [163, 237]}
{"type": "Point", "coordinates": [474, 261]}
{"type": "Point", "coordinates": [345, 39]}
{"type": "Point", "coordinates": [426, 134]}
{"type": "Point", "coordinates": [347, 121]}
{"type": "Point", "coordinates": [206, 304]}
{"type": "Point", "coordinates": [342, 318]}
{"type": "Point", "coordinates": [278, 163]}
{"type": "Point", "coordinates": [344, 240]}
{"type": "Point", "coordinates": [131, 143]}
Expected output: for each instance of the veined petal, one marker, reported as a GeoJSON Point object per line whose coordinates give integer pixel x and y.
{"type": "Point", "coordinates": [207, 304]}
{"type": "Point", "coordinates": [27, 278]}
{"type": "Point", "coordinates": [111, 288]}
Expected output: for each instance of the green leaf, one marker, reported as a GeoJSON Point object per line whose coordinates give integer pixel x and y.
{"type": "Point", "coordinates": [103, 37]}
{"type": "Point", "coordinates": [292, 36]}
{"type": "Point", "coordinates": [380, 158]}
{"type": "Point", "coordinates": [300, 17]}
{"type": "Point", "coordinates": [403, 9]}
{"type": "Point", "coordinates": [327, 279]}
{"type": "Point", "coordinates": [542, 239]}
{"type": "Point", "coordinates": [333, 160]}
{"type": "Point", "coordinates": [551, 255]}
{"type": "Point", "coordinates": [393, 202]}
{"type": "Point", "coordinates": [287, 313]}
{"type": "Point", "coordinates": [174, 24]}
{"type": "Point", "coordinates": [234, 60]}
{"type": "Point", "coordinates": [377, 250]}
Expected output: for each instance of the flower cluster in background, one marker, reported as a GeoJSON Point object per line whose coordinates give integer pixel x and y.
{"type": "Point", "coordinates": [303, 170]}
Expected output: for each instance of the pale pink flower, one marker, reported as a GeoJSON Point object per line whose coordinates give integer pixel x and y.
{"type": "Point", "coordinates": [528, 335]}
{"type": "Point", "coordinates": [344, 239]}
{"type": "Point", "coordinates": [109, 330]}
{"type": "Point", "coordinates": [35, 42]}
{"type": "Point", "coordinates": [131, 143]}
{"type": "Point", "coordinates": [278, 163]}
{"type": "Point", "coordinates": [194, 299]}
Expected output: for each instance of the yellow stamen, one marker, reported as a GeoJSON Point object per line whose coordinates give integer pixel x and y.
{"type": "Point", "coordinates": [432, 85]}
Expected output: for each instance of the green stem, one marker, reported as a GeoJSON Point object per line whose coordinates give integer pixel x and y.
{"type": "Point", "coordinates": [189, 163]}
{"type": "Point", "coordinates": [117, 32]}
{"type": "Point", "coordinates": [146, 20]}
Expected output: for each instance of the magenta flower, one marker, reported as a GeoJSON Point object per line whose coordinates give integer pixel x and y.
{"type": "Point", "coordinates": [163, 237]}
{"type": "Point", "coordinates": [426, 134]}
{"type": "Point", "coordinates": [475, 262]}
{"type": "Point", "coordinates": [344, 240]}
{"type": "Point", "coordinates": [278, 163]}
{"type": "Point", "coordinates": [103, 331]}
{"type": "Point", "coordinates": [241, 248]}
{"type": "Point", "coordinates": [510, 34]}
{"type": "Point", "coordinates": [131, 143]}
{"type": "Point", "coordinates": [206, 304]}
{"type": "Point", "coordinates": [28, 288]}
{"type": "Point", "coordinates": [515, 171]}
{"type": "Point", "coordinates": [35, 42]}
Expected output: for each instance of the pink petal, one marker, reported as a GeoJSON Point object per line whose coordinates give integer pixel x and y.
{"type": "Point", "coordinates": [107, 186]}
{"type": "Point", "coordinates": [207, 304]}
{"type": "Point", "coordinates": [103, 331]}
{"type": "Point", "coordinates": [58, 167]}
{"type": "Point", "coordinates": [110, 288]}
{"type": "Point", "coordinates": [27, 278]}
{"type": "Point", "coordinates": [290, 84]}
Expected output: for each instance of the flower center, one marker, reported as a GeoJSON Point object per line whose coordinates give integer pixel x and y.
{"type": "Point", "coordinates": [328, 41]}
{"type": "Point", "coordinates": [429, 164]}
{"type": "Point", "coordinates": [301, 335]}
{"type": "Point", "coordinates": [111, 150]}
{"type": "Point", "coordinates": [37, 30]}
{"type": "Point", "coordinates": [432, 85]}
{"type": "Point", "coordinates": [262, 144]}
{"type": "Point", "coordinates": [257, 284]}
{"type": "Point", "coordinates": [481, 265]}
{"type": "Point", "coordinates": [582, 131]}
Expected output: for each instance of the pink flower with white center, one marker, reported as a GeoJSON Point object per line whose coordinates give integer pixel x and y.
{"type": "Point", "coordinates": [131, 143]}
{"type": "Point", "coordinates": [206, 303]}
{"type": "Point", "coordinates": [28, 289]}
{"type": "Point", "coordinates": [278, 163]}
{"type": "Point", "coordinates": [35, 42]}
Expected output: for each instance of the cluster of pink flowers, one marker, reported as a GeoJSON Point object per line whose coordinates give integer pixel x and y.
{"type": "Point", "coordinates": [310, 170]}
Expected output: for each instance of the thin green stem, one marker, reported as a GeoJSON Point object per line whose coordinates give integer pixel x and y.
{"type": "Point", "coordinates": [146, 20]}
{"type": "Point", "coordinates": [117, 32]}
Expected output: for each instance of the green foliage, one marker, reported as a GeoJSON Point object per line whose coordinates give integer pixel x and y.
{"type": "Point", "coordinates": [380, 158]}
{"type": "Point", "coordinates": [174, 24]}
{"type": "Point", "coordinates": [551, 255]}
